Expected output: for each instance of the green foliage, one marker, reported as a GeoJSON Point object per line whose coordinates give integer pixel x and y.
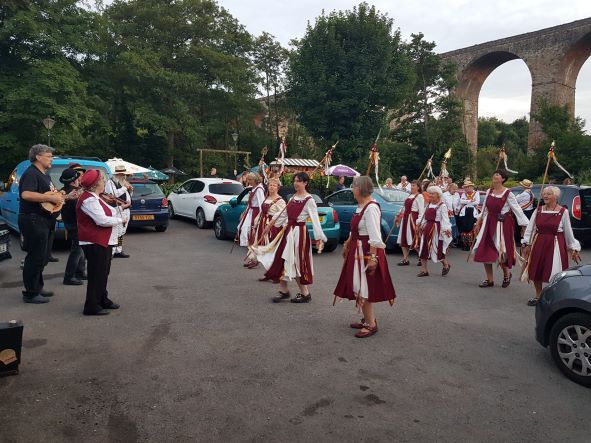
{"type": "Point", "coordinates": [345, 72]}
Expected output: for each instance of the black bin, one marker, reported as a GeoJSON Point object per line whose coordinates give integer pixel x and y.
{"type": "Point", "coordinates": [11, 341]}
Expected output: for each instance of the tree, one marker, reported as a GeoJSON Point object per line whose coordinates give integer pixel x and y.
{"type": "Point", "coordinates": [344, 74]}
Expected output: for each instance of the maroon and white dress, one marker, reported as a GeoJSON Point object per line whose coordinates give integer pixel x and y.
{"type": "Point", "coordinates": [354, 282]}
{"type": "Point", "coordinates": [414, 206]}
{"type": "Point", "coordinates": [256, 197]}
{"type": "Point", "coordinates": [434, 241]}
{"type": "Point", "coordinates": [550, 236]}
{"type": "Point", "coordinates": [269, 209]}
{"type": "Point", "coordinates": [289, 255]}
{"type": "Point", "coordinates": [495, 241]}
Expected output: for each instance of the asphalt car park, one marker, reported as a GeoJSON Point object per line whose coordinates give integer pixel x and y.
{"type": "Point", "coordinates": [197, 349]}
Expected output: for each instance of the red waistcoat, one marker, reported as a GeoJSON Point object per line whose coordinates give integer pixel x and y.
{"type": "Point", "coordinates": [88, 231]}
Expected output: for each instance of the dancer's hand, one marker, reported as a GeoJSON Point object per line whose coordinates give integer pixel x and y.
{"type": "Point", "coordinates": [447, 233]}
{"type": "Point", "coordinates": [525, 250]}
{"type": "Point", "coordinates": [576, 256]}
{"type": "Point", "coordinates": [371, 266]}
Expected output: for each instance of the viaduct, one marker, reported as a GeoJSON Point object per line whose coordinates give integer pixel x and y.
{"type": "Point", "coordinates": [554, 57]}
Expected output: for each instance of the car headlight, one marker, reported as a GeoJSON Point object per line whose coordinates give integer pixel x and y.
{"type": "Point", "coordinates": [564, 274]}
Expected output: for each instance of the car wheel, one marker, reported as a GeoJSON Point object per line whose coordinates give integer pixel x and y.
{"type": "Point", "coordinates": [171, 211]}
{"type": "Point", "coordinates": [161, 228]}
{"type": "Point", "coordinates": [218, 228]}
{"type": "Point", "coordinates": [570, 346]}
{"type": "Point", "coordinates": [330, 246]}
{"type": "Point", "coordinates": [200, 219]}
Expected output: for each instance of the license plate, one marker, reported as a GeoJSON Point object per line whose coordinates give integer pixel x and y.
{"type": "Point", "coordinates": [142, 217]}
{"type": "Point", "coordinates": [3, 248]}
{"type": "Point", "coordinates": [321, 218]}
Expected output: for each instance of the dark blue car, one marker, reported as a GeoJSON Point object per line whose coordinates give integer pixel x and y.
{"type": "Point", "coordinates": [391, 202]}
{"type": "Point", "coordinates": [149, 206]}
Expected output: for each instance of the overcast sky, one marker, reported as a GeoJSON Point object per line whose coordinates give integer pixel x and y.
{"type": "Point", "coordinates": [451, 24]}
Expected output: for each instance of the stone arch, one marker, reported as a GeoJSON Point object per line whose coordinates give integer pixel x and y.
{"type": "Point", "coordinates": [470, 81]}
{"type": "Point", "coordinates": [569, 68]}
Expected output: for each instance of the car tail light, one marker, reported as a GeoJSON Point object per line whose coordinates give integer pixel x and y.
{"type": "Point", "coordinates": [335, 216]}
{"type": "Point", "coordinates": [210, 199]}
{"type": "Point", "coordinates": [164, 203]}
{"type": "Point", "coordinates": [576, 209]}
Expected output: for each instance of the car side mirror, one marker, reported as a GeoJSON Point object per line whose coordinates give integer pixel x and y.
{"type": "Point", "coordinates": [234, 202]}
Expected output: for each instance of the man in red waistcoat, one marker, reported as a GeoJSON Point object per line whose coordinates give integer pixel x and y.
{"type": "Point", "coordinates": [96, 237]}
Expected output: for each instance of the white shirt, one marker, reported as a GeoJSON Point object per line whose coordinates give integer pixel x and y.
{"type": "Point", "coordinates": [571, 242]}
{"type": "Point", "coordinates": [452, 201]}
{"type": "Point", "coordinates": [418, 204]}
{"type": "Point", "coordinates": [402, 187]}
{"type": "Point", "coordinates": [92, 207]}
{"type": "Point", "coordinates": [441, 216]}
{"type": "Point", "coordinates": [471, 202]}
{"type": "Point", "coordinates": [510, 205]}
{"type": "Point", "coordinates": [259, 196]}
{"type": "Point", "coordinates": [310, 211]}
{"type": "Point", "coordinates": [525, 200]}
{"type": "Point", "coordinates": [370, 225]}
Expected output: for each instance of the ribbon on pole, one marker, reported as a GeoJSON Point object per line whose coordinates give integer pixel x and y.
{"type": "Point", "coordinates": [282, 152]}
{"type": "Point", "coordinates": [262, 169]}
{"type": "Point", "coordinates": [552, 155]}
{"type": "Point", "coordinates": [374, 160]}
{"type": "Point", "coordinates": [428, 168]}
{"type": "Point", "coordinates": [551, 158]}
{"type": "Point", "coordinates": [443, 172]}
{"type": "Point", "coordinates": [326, 160]}
{"type": "Point", "coordinates": [503, 158]}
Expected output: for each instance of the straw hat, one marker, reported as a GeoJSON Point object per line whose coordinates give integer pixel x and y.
{"type": "Point", "coordinates": [526, 183]}
{"type": "Point", "coordinates": [120, 169]}
{"type": "Point", "coordinates": [468, 182]}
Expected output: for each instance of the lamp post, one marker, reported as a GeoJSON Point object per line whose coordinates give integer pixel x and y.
{"type": "Point", "coordinates": [48, 122]}
{"type": "Point", "coordinates": [235, 138]}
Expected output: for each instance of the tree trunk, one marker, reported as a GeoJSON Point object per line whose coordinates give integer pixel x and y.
{"type": "Point", "coordinates": [170, 152]}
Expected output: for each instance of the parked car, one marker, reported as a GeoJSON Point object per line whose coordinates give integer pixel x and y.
{"type": "Point", "coordinates": [149, 206]}
{"type": "Point", "coordinates": [199, 198]}
{"type": "Point", "coordinates": [227, 217]}
{"type": "Point", "coordinates": [4, 241]}
{"type": "Point", "coordinates": [577, 199]}
{"type": "Point", "coordinates": [10, 199]}
{"type": "Point", "coordinates": [391, 202]}
{"type": "Point", "coordinates": [563, 322]}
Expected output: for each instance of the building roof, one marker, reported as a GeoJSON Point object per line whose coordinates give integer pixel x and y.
{"type": "Point", "coordinates": [298, 162]}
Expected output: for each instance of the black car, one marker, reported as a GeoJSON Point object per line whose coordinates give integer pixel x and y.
{"type": "Point", "coordinates": [4, 242]}
{"type": "Point", "coordinates": [563, 322]}
{"type": "Point", "coordinates": [149, 205]}
{"type": "Point", "coordinates": [577, 199]}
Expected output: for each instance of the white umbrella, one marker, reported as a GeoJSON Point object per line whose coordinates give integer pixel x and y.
{"type": "Point", "coordinates": [129, 167]}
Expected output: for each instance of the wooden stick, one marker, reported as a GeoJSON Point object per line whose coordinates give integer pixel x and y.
{"type": "Point", "coordinates": [541, 199]}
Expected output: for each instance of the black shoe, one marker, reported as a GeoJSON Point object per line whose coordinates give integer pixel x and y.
{"type": "Point", "coordinates": [532, 302]}
{"type": "Point", "coordinates": [82, 277]}
{"type": "Point", "coordinates": [112, 306]}
{"type": "Point", "coordinates": [35, 299]}
{"type": "Point", "coordinates": [101, 312]}
{"type": "Point", "coordinates": [281, 296]}
{"type": "Point", "coordinates": [301, 298]}
{"type": "Point", "coordinates": [121, 255]}
{"type": "Point", "coordinates": [53, 260]}
{"type": "Point", "coordinates": [73, 282]}
{"type": "Point", "coordinates": [45, 293]}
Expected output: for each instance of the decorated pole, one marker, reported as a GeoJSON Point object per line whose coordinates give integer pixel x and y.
{"type": "Point", "coordinates": [551, 158]}
{"type": "Point", "coordinates": [374, 160]}
{"type": "Point", "coordinates": [443, 171]}
{"type": "Point", "coordinates": [282, 152]}
{"type": "Point", "coordinates": [504, 158]}
{"type": "Point", "coordinates": [326, 160]}
{"type": "Point", "coordinates": [427, 167]}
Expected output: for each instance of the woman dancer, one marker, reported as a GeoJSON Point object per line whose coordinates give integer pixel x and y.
{"type": "Point", "coordinates": [414, 206]}
{"type": "Point", "coordinates": [246, 228]}
{"type": "Point", "coordinates": [292, 258]}
{"type": "Point", "coordinates": [264, 233]}
{"type": "Point", "coordinates": [547, 240]}
{"type": "Point", "coordinates": [435, 232]}
{"type": "Point", "coordinates": [495, 241]}
{"type": "Point", "coordinates": [365, 277]}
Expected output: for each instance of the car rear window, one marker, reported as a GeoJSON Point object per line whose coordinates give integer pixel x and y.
{"type": "Point", "coordinates": [144, 190]}
{"type": "Point", "coordinates": [226, 188]}
{"type": "Point", "coordinates": [55, 172]}
{"type": "Point", "coordinates": [392, 195]}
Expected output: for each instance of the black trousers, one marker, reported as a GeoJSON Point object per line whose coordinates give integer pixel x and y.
{"type": "Point", "coordinates": [76, 266]}
{"type": "Point", "coordinates": [36, 231]}
{"type": "Point", "coordinates": [99, 266]}
{"type": "Point", "coordinates": [52, 223]}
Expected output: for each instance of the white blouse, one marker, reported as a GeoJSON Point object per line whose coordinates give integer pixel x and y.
{"type": "Point", "coordinates": [370, 225]}
{"type": "Point", "coordinates": [452, 201]}
{"type": "Point", "coordinates": [473, 202]}
{"type": "Point", "coordinates": [441, 216]}
{"type": "Point", "coordinates": [571, 242]}
{"type": "Point", "coordinates": [259, 196]}
{"type": "Point", "coordinates": [418, 204]}
{"type": "Point", "coordinates": [510, 205]}
{"type": "Point", "coordinates": [310, 211]}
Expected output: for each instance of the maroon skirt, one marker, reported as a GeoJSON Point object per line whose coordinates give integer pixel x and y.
{"type": "Point", "coordinates": [542, 256]}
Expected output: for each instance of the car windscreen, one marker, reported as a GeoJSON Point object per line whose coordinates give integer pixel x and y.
{"type": "Point", "coordinates": [147, 190]}
{"type": "Point", "coordinates": [392, 195]}
{"type": "Point", "coordinates": [317, 199]}
{"type": "Point", "coordinates": [226, 188]}
{"type": "Point", "coordinates": [55, 173]}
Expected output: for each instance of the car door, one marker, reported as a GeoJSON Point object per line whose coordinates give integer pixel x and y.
{"type": "Point", "coordinates": [195, 197]}
{"type": "Point", "coordinates": [345, 205]}
{"type": "Point", "coordinates": [10, 201]}
{"type": "Point", "coordinates": [180, 201]}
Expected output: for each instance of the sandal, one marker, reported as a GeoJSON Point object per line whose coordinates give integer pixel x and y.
{"type": "Point", "coordinates": [423, 274]}
{"type": "Point", "coordinates": [445, 270]}
{"type": "Point", "coordinates": [486, 284]}
{"type": "Point", "coordinates": [506, 281]}
{"type": "Point", "coordinates": [532, 302]}
{"type": "Point", "coordinates": [359, 325]}
{"type": "Point", "coordinates": [369, 331]}
{"type": "Point", "coordinates": [301, 298]}
{"type": "Point", "coordinates": [281, 296]}
{"type": "Point", "coordinates": [403, 262]}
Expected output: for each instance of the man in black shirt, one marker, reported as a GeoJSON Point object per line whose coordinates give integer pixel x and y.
{"type": "Point", "coordinates": [34, 222]}
{"type": "Point", "coordinates": [76, 266]}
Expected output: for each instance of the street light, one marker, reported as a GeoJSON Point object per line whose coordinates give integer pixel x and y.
{"type": "Point", "coordinates": [235, 138]}
{"type": "Point", "coordinates": [48, 122]}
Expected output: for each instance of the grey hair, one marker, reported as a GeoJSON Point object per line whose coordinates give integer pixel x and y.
{"type": "Point", "coordinates": [38, 150]}
{"type": "Point", "coordinates": [255, 177]}
{"type": "Point", "coordinates": [555, 190]}
{"type": "Point", "coordinates": [435, 190]}
{"type": "Point", "coordinates": [365, 185]}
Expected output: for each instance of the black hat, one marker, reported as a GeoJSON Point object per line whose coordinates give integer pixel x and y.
{"type": "Point", "coordinates": [69, 175]}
